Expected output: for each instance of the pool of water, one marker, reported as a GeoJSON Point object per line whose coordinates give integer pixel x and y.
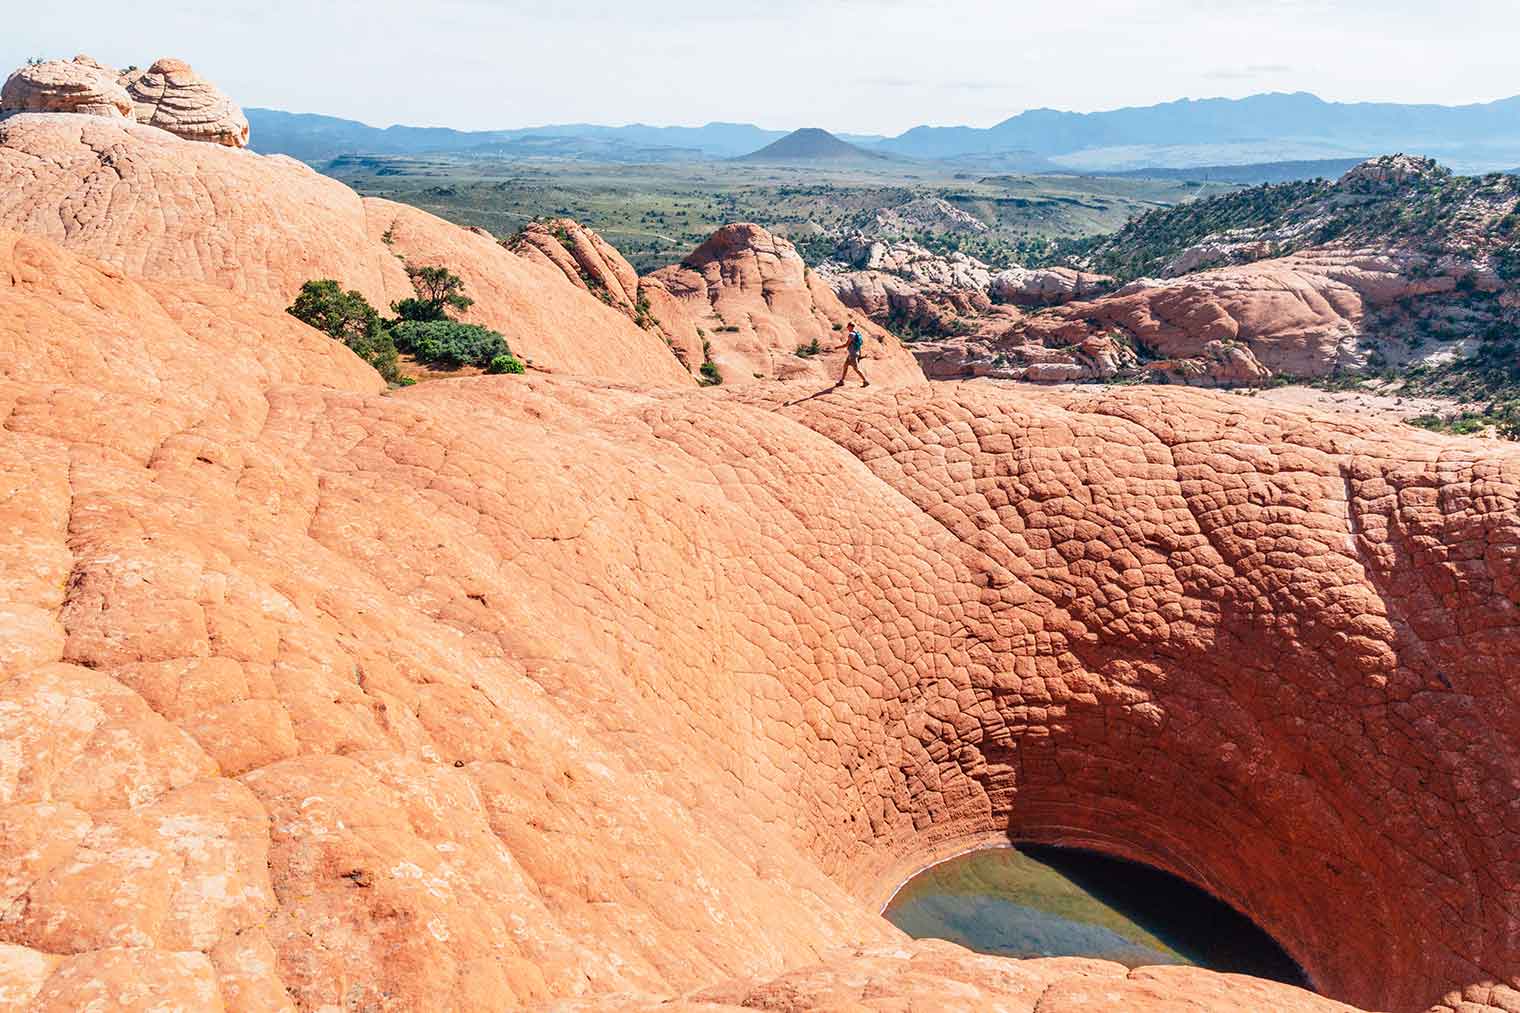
{"type": "Point", "coordinates": [1038, 902]}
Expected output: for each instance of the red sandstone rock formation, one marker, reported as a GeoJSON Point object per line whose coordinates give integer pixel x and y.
{"type": "Point", "coordinates": [586, 260]}
{"type": "Point", "coordinates": [269, 224]}
{"type": "Point", "coordinates": [172, 96]}
{"type": "Point", "coordinates": [1304, 315]}
{"type": "Point", "coordinates": [745, 301]}
{"type": "Point", "coordinates": [525, 690]}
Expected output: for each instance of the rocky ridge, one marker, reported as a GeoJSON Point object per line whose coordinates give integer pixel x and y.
{"type": "Point", "coordinates": [1396, 267]}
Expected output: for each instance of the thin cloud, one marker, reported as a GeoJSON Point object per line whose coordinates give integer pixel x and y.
{"type": "Point", "coordinates": [1248, 72]}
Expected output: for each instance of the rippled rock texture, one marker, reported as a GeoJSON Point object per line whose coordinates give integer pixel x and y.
{"type": "Point", "coordinates": [505, 690]}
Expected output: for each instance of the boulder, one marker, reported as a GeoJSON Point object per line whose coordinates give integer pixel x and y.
{"type": "Point", "coordinates": [173, 97]}
{"type": "Point", "coordinates": [1046, 286]}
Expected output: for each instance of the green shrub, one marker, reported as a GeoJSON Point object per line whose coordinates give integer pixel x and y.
{"type": "Point", "coordinates": [438, 291]}
{"type": "Point", "coordinates": [450, 343]}
{"type": "Point", "coordinates": [419, 311]}
{"type": "Point", "coordinates": [710, 375]}
{"type": "Point", "coordinates": [809, 350]}
{"type": "Point", "coordinates": [348, 317]}
{"type": "Point", "coordinates": [506, 364]}
{"type": "Point", "coordinates": [343, 315]}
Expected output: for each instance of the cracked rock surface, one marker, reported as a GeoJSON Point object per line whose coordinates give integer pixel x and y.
{"type": "Point", "coordinates": [536, 691]}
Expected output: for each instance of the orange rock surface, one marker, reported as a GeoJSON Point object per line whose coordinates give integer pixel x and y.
{"type": "Point", "coordinates": [79, 85]}
{"type": "Point", "coordinates": [535, 691]}
{"type": "Point", "coordinates": [167, 209]}
{"type": "Point", "coordinates": [600, 692]}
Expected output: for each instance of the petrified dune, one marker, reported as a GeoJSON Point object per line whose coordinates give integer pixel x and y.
{"type": "Point", "coordinates": [163, 208]}
{"type": "Point", "coordinates": [531, 691]}
{"type": "Point", "coordinates": [170, 95]}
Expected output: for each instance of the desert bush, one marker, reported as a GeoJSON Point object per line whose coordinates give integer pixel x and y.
{"type": "Point", "coordinates": [506, 364]}
{"type": "Point", "coordinates": [438, 291]}
{"type": "Point", "coordinates": [348, 317]}
{"type": "Point", "coordinates": [450, 343]}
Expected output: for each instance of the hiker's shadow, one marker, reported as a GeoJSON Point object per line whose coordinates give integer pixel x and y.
{"type": "Point", "coordinates": [813, 397]}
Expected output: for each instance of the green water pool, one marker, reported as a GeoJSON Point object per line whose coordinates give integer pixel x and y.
{"type": "Point", "coordinates": [1039, 901]}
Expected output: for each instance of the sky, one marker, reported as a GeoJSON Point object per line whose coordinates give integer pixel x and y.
{"type": "Point", "coordinates": [862, 66]}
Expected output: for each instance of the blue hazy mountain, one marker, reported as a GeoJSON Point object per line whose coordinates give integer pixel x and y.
{"type": "Point", "coordinates": [315, 138]}
{"type": "Point", "coordinates": [1270, 128]}
{"type": "Point", "coordinates": [1261, 128]}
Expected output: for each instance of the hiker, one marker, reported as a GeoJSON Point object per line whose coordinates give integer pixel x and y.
{"type": "Point", "coordinates": [853, 344]}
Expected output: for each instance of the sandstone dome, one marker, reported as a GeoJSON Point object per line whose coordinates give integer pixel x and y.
{"type": "Point", "coordinates": [262, 226]}
{"type": "Point", "coordinates": [79, 85]}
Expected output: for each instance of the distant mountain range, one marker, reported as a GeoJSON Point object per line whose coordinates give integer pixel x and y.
{"type": "Point", "coordinates": [813, 145]}
{"type": "Point", "coordinates": [315, 138]}
{"type": "Point", "coordinates": [1272, 128]}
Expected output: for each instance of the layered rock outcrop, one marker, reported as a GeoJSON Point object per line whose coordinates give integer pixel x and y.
{"type": "Point", "coordinates": [962, 314]}
{"type": "Point", "coordinates": [509, 691]}
{"type": "Point", "coordinates": [585, 259]}
{"type": "Point", "coordinates": [173, 97]}
{"type": "Point", "coordinates": [901, 284]}
{"type": "Point", "coordinates": [1396, 265]}
{"type": "Point", "coordinates": [168, 95]}
{"type": "Point", "coordinates": [1046, 286]}
{"type": "Point", "coordinates": [747, 303]}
